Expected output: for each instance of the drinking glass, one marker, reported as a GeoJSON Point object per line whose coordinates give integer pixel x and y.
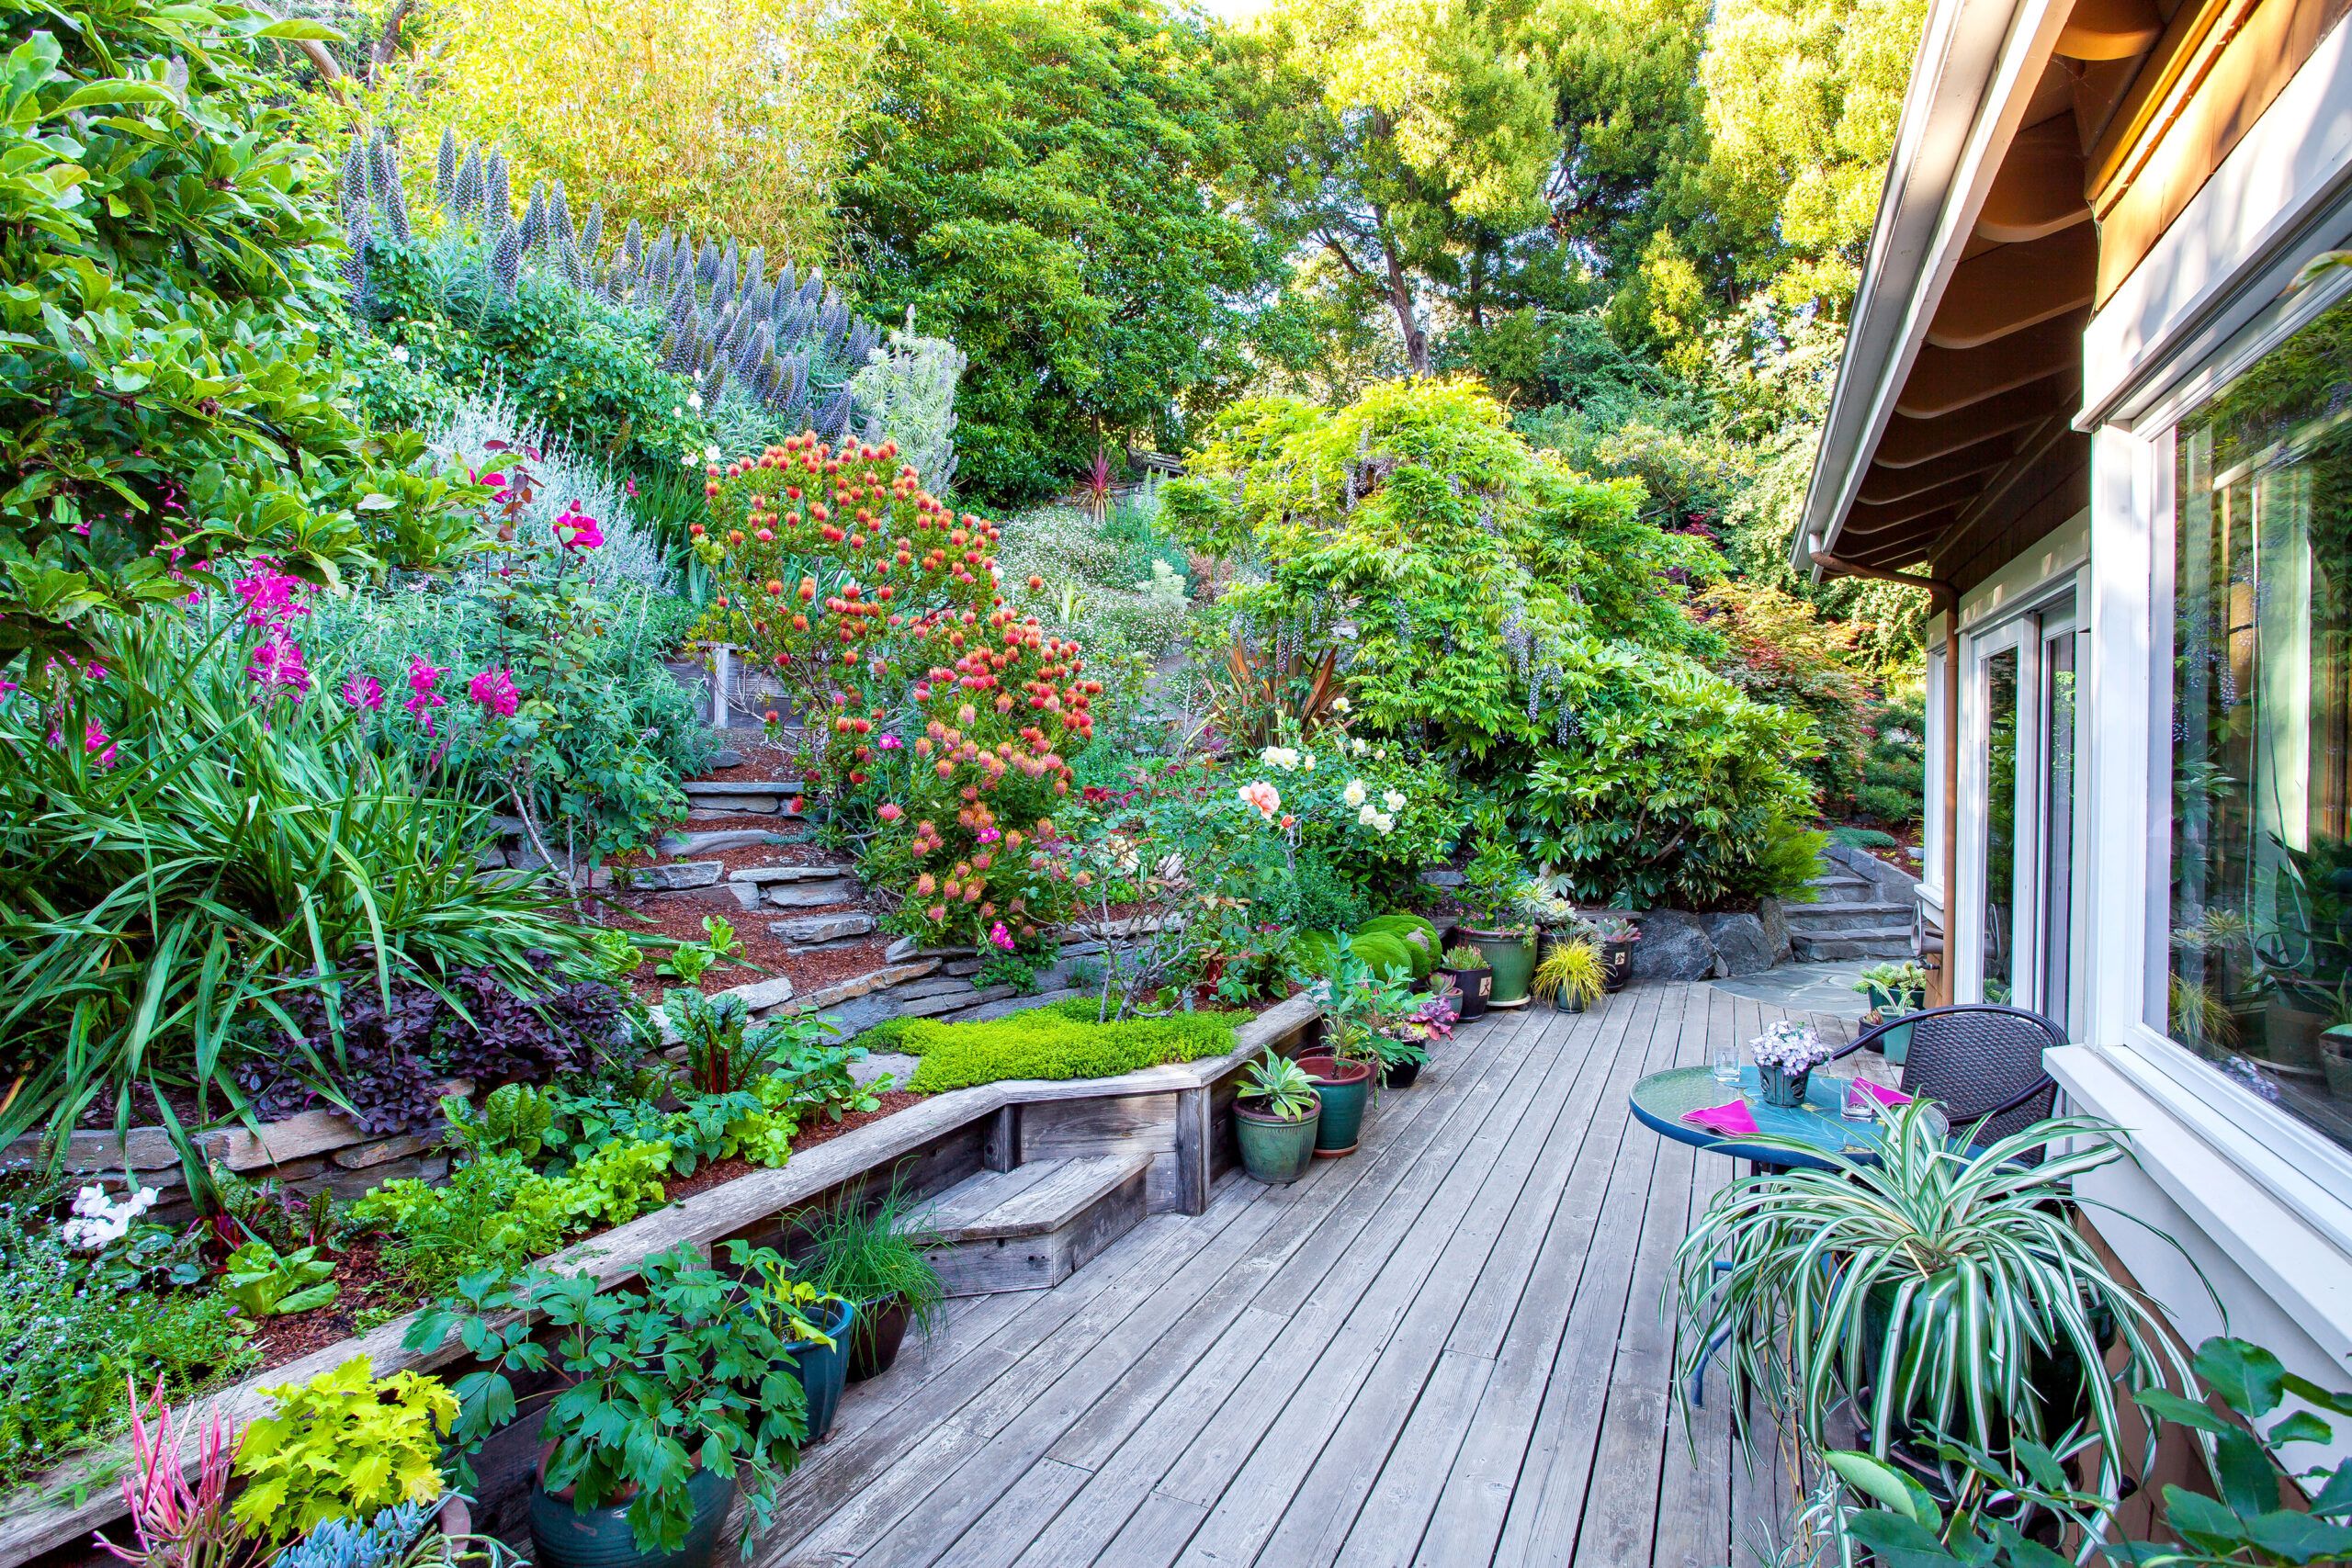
{"type": "Point", "coordinates": [1723, 1060]}
{"type": "Point", "coordinates": [1859, 1104]}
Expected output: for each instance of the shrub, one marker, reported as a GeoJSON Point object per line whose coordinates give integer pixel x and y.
{"type": "Point", "coordinates": [936, 715]}
{"type": "Point", "coordinates": [172, 246]}
{"type": "Point", "coordinates": [1060, 1040]}
{"type": "Point", "coordinates": [482, 432]}
{"type": "Point", "coordinates": [199, 847]}
{"type": "Point", "coordinates": [1780, 650]}
{"type": "Point", "coordinates": [343, 1446]}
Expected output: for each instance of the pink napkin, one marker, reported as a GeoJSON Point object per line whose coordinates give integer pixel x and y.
{"type": "Point", "coordinates": [1883, 1094]}
{"type": "Point", "coordinates": [1735, 1117]}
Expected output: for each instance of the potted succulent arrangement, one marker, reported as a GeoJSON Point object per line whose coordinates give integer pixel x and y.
{"type": "Point", "coordinates": [1894, 991]}
{"type": "Point", "coordinates": [1615, 935]}
{"type": "Point", "coordinates": [1942, 1296]}
{"type": "Point", "coordinates": [1490, 887]}
{"type": "Point", "coordinates": [1539, 903]}
{"type": "Point", "coordinates": [1402, 1045]}
{"type": "Point", "coordinates": [1356, 1003]}
{"type": "Point", "coordinates": [877, 1256]}
{"type": "Point", "coordinates": [1464, 967]}
{"type": "Point", "coordinates": [620, 1483]}
{"type": "Point", "coordinates": [1785, 1055]}
{"type": "Point", "coordinates": [1277, 1138]}
{"type": "Point", "coordinates": [1570, 976]}
{"type": "Point", "coordinates": [814, 1325]}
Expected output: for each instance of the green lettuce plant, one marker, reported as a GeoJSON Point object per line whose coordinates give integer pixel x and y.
{"type": "Point", "coordinates": [263, 1283]}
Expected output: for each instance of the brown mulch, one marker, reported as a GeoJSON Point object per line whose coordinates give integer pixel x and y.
{"type": "Point", "coordinates": [359, 1270]}
{"type": "Point", "coordinates": [820, 1130]}
{"type": "Point", "coordinates": [763, 760]}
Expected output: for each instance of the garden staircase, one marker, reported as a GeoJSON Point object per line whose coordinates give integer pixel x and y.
{"type": "Point", "coordinates": [1034, 1224]}
{"type": "Point", "coordinates": [1852, 916]}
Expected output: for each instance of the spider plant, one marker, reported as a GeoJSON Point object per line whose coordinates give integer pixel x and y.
{"type": "Point", "coordinates": [1941, 1289]}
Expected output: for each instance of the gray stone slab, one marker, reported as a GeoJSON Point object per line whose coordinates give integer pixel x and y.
{"type": "Point", "coordinates": [1674, 946]}
{"type": "Point", "coordinates": [1741, 946]}
{"type": "Point", "coordinates": [810, 931]}
{"type": "Point", "coordinates": [676, 874]}
{"type": "Point", "coordinates": [711, 841]}
{"type": "Point", "coordinates": [812, 895]}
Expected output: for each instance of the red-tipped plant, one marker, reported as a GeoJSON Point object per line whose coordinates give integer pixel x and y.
{"type": "Point", "coordinates": [1096, 486]}
{"type": "Point", "coordinates": [174, 1524]}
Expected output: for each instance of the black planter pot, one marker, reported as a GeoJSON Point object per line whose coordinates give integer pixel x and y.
{"type": "Point", "coordinates": [1473, 986]}
{"type": "Point", "coordinates": [1401, 1075]}
{"type": "Point", "coordinates": [874, 1339]}
{"type": "Point", "coordinates": [1616, 965]}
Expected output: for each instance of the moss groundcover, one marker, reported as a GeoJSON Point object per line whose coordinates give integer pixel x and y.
{"type": "Point", "coordinates": [1060, 1040]}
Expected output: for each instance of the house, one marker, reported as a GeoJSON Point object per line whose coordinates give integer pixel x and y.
{"type": "Point", "coordinates": [2098, 400]}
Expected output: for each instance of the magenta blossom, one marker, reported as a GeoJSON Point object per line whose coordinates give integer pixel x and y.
{"type": "Point", "coordinates": [1000, 938]}
{"type": "Point", "coordinates": [96, 741]}
{"type": "Point", "coordinates": [890, 743]}
{"type": "Point", "coordinates": [988, 835]}
{"type": "Point", "coordinates": [364, 691]}
{"type": "Point", "coordinates": [422, 673]}
{"type": "Point", "coordinates": [578, 531]}
{"type": "Point", "coordinates": [276, 665]}
{"type": "Point", "coordinates": [494, 691]}
{"type": "Point", "coordinates": [270, 596]}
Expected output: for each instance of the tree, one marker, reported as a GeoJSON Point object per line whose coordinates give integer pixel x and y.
{"type": "Point", "coordinates": [1038, 179]}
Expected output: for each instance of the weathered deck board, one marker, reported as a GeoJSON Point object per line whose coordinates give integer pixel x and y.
{"type": "Point", "coordinates": [1449, 1348]}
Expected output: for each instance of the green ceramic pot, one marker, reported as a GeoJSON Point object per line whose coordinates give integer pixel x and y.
{"type": "Point", "coordinates": [1511, 956]}
{"type": "Point", "coordinates": [1275, 1149]}
{"type": "Point", "coordinates": [824, 1368]}
{"type": "Point", "coordinates": [566, 1536]}
{"type": "Point", "coordinates": [1782, 1088]}
{"type": "Point", "coordinates": [1343, 1088]}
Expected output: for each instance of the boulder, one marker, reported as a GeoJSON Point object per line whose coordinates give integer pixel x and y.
{"type": "Point", "coordinates": [1742, 944]}
{"type": "Point", "coordinates": [1776, 929]}
{"type": "Point", "coordinates": [1674, 946]}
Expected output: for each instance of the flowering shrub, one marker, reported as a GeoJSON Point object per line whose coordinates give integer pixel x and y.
{"type": "Point", "coordinates": [936, 718]}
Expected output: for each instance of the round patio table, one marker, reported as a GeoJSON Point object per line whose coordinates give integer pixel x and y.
{"type": "Point", "coordinates": [1662, 1099]}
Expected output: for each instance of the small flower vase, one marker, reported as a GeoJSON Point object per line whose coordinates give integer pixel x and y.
{"type": "Point", "coordinates": [1782, 1088]}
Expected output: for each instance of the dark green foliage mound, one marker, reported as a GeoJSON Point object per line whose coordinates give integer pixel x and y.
{"type": "Point", "coordinates": [1060, 1040]}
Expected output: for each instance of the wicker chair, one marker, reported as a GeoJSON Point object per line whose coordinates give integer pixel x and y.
{"type": "Point", "coordinates": [1982, 1061]}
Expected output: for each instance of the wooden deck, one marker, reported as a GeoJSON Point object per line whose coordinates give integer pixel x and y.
{"type": "Point", "coordinates": [1449, 1348]}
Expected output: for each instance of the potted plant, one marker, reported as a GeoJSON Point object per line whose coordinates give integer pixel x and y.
{"type": "Point", "coordinates": [1490, 887]}
{"type": "Point", "coordinates": [814, 1325]}
{"type": "Point", "coordinates": [1355, 1002]}
{"type": "Point", "coordinates": [1785, 1055]}
{"type": "Point", "coordinates": [1550, 912]}
{"type": "Point", "coordinates": [622, 1482]}
{"type": "Point", "coordinates": [1277, 1139]}
{"type": "Point", "coordinates": [1570, 976]}
{"type": "Point", "coordinates": [1404, 1047]}
{"type": "Point", "coordinates": [1616, 935]}
{"type": "Point", "coordinates": [877, 1256]}
{"type": "Point", "coordinates": [1940, 1291]}
{"type": "Point", "coordinates": [1893, 989]}
{"type": "Point", "coordinates": [1465, 968]}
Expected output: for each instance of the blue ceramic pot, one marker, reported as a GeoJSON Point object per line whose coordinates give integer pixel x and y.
{"type": "Point", "coordinates": [824, 1370]}
{"type": "Point", "coordinates": [566, 1536]}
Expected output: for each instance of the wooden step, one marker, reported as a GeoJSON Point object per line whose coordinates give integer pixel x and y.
{"type": "Point", "coordinates": [1034, 1225]}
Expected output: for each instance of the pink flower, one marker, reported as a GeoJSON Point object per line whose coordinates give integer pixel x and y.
{"type": "Point", "coordinates": [364, 691]}
{"type": "Point", "coordinates": [97, 742]}
{"type": "Point", "coordinates": [890, 813]}
{"type": "Point", "coordinates": [276, 665]}
{"type": "Point", "coordinates": [1263, 795]}
{"type": "Point", "coordinates": [1000, 937]}
{"type": "Point", "coordinates": [578, 531]}
{"type": "Point", "coordinates": [631, 487]}
{"type": "Point", "coordinates": [422, 673]}
{"type": "Point", "coordinates": [988, 835]}
{"type": "Point", "coordinates": [494, 691]}
{"type": "Point", "coordinates": [890, 743]}
{"type": "Point", "coordinates": [270, 596]}
{"type": "Point", "coordinates": [937, 912]}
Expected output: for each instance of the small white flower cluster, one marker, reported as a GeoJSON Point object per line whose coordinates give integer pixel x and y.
{"type": "Point", "coordinates": [99, 1222]}
{"type": "Point", "coordinates": [1357, 795]}
{"type": "Point", "coordinates": [1792, 1047]}
{"type": "Point", "coordinates": [1289, 759]}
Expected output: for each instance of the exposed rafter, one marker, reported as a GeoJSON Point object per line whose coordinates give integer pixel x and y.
{"type": "Point", "coordinates": [2111, 29]}
{"type": "Point", "coordinates": [2038, 189]}
{"type": "Point", "coordinates": [1883, 484]}
{"type": "Point", "coordinates": [2014, 287]}
{"type": "Point", "coordinates": [1910, 442]}
{"type": "Point", "coordinates": [1944, 379]}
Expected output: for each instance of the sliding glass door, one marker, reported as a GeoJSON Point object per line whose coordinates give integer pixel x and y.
{"type": "Point", "coordinates": [2018, 815]}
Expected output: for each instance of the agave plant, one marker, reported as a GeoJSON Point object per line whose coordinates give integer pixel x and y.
{"type": "Point", "coordinates": [1943, 1290]}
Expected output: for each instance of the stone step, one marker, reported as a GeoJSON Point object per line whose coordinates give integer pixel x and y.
{"type": "Point", "coordinates": [673, 876]}
{"type": "Point", "coordinates": [824, 871]}
{"type": "Point", "coordinates": [711, 841]}
{"type": "Point", "coordinates": [1856, 913]}
{"type": "Point", "coordinates": [810, 933]}
{"type": "Point", "coordinates": [1819, 946]}
{"type": "Point", "coordinates": [1843, 887]}
{"type": "Point", "coordinates": [1032, 1227]}
{"type": "Point", "coordinates": [709, 798]}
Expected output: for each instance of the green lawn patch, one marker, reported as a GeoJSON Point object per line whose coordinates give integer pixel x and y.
{"type": "Point", "coordinates": [1060, 1040]}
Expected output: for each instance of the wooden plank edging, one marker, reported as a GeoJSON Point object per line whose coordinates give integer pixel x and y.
{"type": "Point", "coordinates": [30, 1527]}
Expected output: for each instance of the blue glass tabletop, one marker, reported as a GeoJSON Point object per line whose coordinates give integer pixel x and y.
{"type": "Point", "coordinates": [1661, 1101]}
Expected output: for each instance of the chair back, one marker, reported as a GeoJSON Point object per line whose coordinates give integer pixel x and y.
{"type": "Point", "coordinates": [1976, 1057]}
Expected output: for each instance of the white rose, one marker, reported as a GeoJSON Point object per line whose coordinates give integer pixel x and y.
{"type": "Point", "coordinates": [1310, 762]}
{"type": "Point", "coordinates": [1384, 822]}
{"type": "Point", "coordinates": [1362, 746]}
{"type": "Point", "coordinates": [1368, 814]}
{"type": "Point", "coordinates": [1393, 799]}
{"type": "Point", "coordinates": [399, 355]}
{"type": "Point", "coordinates": [1339, 704]}
{"type": "Point", "coordinates": [1354, 793]}
{"type": "Point", "coordinates": [694, 402]}
{"type": "Point", "coordinates": [710, 454]}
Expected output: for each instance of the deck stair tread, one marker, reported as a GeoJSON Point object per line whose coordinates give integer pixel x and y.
{"type": "Point", "coordinates": [1035, 1224]}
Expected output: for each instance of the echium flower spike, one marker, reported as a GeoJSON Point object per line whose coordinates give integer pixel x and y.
{"type": "Point", "coordinates": [496, 197]}
{"type": "Point", "coordinates": [468, 197]}
{"type": "Point", "coordinates": [445, 171]}
{"type": "Point", "coordinates": [632, 237]}
{"type": "Point", "coordinates": [354, 259]}
{"type": "Point", "coordinates": [560, 214]}
{"type": "Point", "coordinates": [352, 195]}
{"type": "Point", "coordinates": [394, 200]}
{"type": "Point", "coordinates": [506, 261]}
{"type": "Point", "coordinates": [592, 233]}
{"type": "Point", "coordinates": [756, 270]}
{"type": "Point", "coordinates": [535, 218]}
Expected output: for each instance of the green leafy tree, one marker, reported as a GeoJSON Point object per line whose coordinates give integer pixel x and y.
{"type": "Point", "coordinates": [1040, 183]}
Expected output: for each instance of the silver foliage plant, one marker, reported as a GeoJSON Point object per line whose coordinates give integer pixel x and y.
{"type": "Point", "coordinates": [566, 474]}
{"type": "Point", "coordinates": [764, 351]}
{"type": "Point", "coordinates": [907, 393]}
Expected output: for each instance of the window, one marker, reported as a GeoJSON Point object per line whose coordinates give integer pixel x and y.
{"type": "Point", "coordinates": [2260, 928]}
